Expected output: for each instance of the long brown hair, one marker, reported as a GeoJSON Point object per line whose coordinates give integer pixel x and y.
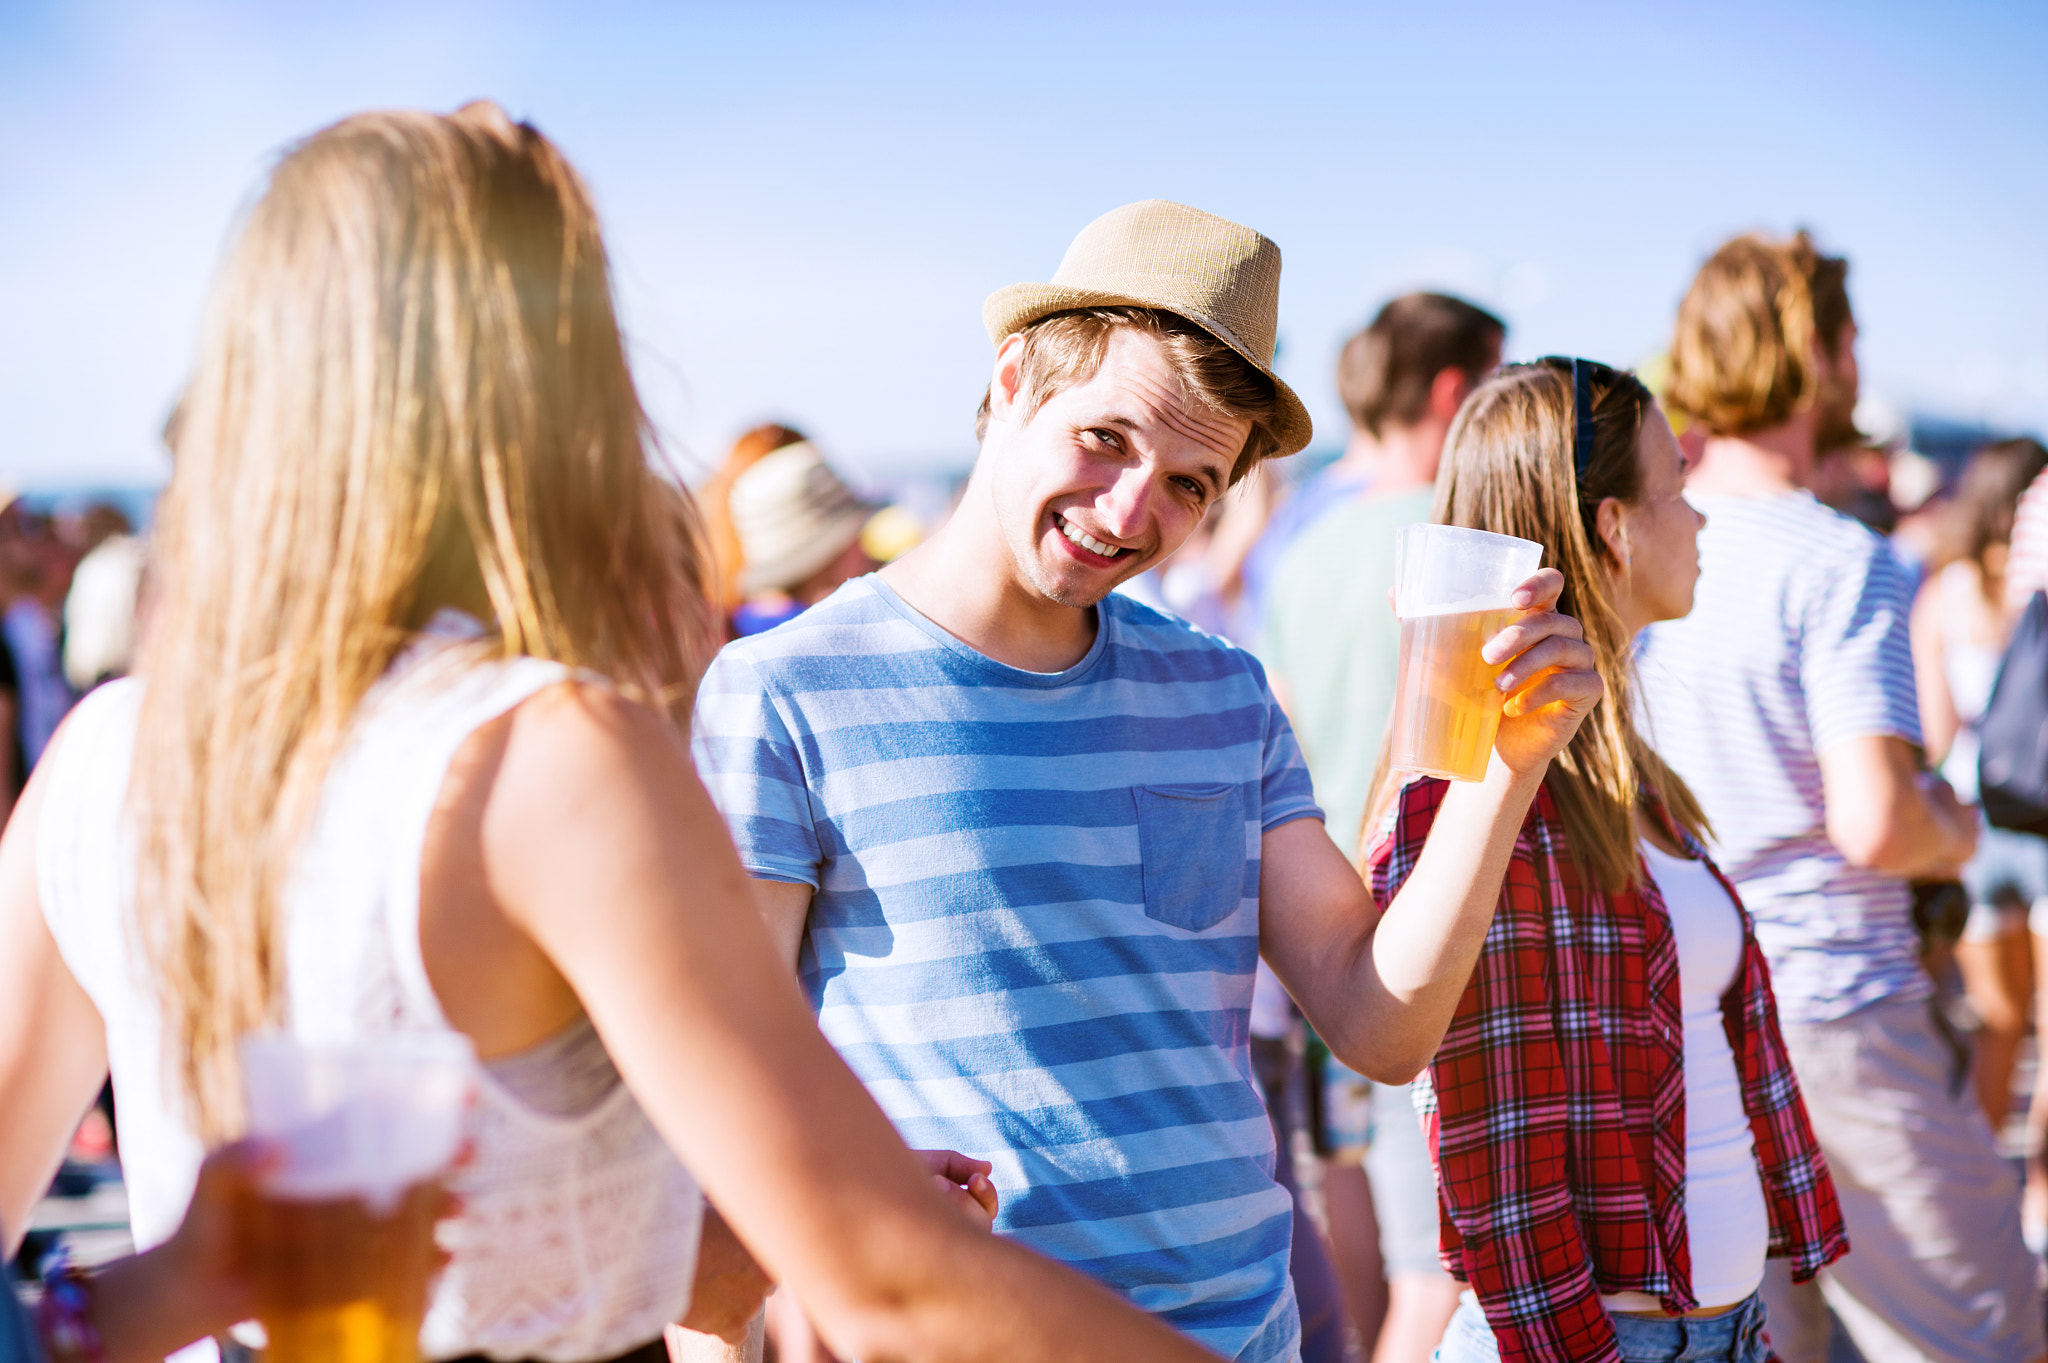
{"type": "Point", "coordinates": [1978, 522]}
{"type": "Point", "coordinates": [410, 393]}
{"type": "Point", "coordinates": [1508, 468]}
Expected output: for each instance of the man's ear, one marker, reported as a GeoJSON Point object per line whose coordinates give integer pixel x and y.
{"type": "Point", "coordinates": [1006, 383]}
{"type": "Point", "coordinates": [1447, 392]}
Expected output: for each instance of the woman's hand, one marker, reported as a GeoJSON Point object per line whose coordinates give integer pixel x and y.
{"type": "Point", "coordinates": [965, 1183]}
{"type": "Point", "coordinates": [208, 1256]}
{"type": "Point", "coordinates": [1550, 680]}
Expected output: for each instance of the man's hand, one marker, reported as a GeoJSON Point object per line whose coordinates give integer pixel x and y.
{"type": "Point", "coordinates": [1550, 680]}
{"type": "Point", "coordinates": [730, 1285]}
{"type": "Point", "coordinates": [965, 1182]}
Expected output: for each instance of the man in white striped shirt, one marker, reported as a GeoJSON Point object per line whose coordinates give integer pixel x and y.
{"type": "Point", "coordinates": [1786, 700]}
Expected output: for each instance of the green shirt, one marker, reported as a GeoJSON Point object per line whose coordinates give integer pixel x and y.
{"type": "Point", "coordinates": [1331, 638]}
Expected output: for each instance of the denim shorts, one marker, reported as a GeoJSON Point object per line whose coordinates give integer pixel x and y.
{"type": "Point", "coordinates": [2009, 870]}
{"type": "Point", "coordinates": [1732, 1337]}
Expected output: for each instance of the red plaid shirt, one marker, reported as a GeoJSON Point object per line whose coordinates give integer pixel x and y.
{"type": "Point", "coordinates": [1555, 1107]}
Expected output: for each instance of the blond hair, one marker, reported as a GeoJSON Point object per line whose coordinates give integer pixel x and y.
{"type": "Point", "coordinates": [1066, 348]}
{"type": "Point", "coordinates": [411, 394]}
{"type": "Point", "coordinates": [1508, 468]}
{"type": "Point", "coordinates": [1742, 356]}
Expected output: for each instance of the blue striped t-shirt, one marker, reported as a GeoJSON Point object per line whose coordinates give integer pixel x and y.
{"type": "Point", "coordinates": [1036, 921]}
{"type": "Point", "coordinates": [1797, 641]}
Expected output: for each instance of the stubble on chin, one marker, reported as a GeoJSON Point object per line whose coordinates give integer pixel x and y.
{"type": "Point", "coordinates": [1048, 585]}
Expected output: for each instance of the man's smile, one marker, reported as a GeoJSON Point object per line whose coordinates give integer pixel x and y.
{"type": "Point", "coordinates": [1080, 539]}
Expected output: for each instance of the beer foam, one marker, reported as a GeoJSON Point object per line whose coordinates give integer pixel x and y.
{"type": "Point", "coordinates": [1471, 606]}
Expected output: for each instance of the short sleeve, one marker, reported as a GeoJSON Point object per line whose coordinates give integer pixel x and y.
{"type": "Point", "coordinates": [1856, 656]}
{"type": "Point", "coordinates": [1285, 791]}
{"type": "Point", "coordinates": [750, 762]}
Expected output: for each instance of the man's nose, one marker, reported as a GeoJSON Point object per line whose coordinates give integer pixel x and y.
{"type": "Point", "coordinates": [1125, 503]}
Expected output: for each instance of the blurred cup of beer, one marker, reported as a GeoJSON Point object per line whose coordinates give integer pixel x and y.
{"type": "Point", "coordinates": [1452, 593]}
{"type": "Point", "coordinates": [342, 1240]}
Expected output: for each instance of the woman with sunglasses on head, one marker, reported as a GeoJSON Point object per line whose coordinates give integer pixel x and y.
{"type": "Point", "coordinates": [1618, 1136]}
{"type": "Point", "coordinates": [405, 751]}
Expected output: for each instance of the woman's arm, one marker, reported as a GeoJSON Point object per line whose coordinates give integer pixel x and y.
{"type": "Point", "coordinates": [1938, 719]}
{"type": "Point", "coordinates": [598, 840]}
{"type": "Point", "coordinates": [53, 1047]}
{"type": "Point", "coordinates": [196, 1283]}
{"type": "Point", "coordinates": [1502, 1145]}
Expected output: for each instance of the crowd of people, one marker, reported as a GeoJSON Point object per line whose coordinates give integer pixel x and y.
{"type": "Point", "coordinates": [822, 891]}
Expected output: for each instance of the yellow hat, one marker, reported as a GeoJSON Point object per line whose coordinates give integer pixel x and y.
{"type": "Point", "coordinates": [1223, 277]}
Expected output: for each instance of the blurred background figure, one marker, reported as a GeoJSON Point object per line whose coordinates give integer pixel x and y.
{"type": "Point", "coordinates": [1961, 624]}
{"type": "Point", "coordinates": [1856, 480]}
{"type": "Point", "coordinates": [105, 595]}
{"type": "Point", "coordinates": [799, 531]}
{"type": "Point", "coordinates": [13, 567]}
{"type": "Point", "coordinates": [35, 574]}
{"type": "Point", "coordinates": [1320, 578]}
{"type": "Point", "coordinates": [1401, 380]}
{"type": "Point", "coordinates": [1786, 702]}
{"type": "Point", "coordinates": [715, 497]}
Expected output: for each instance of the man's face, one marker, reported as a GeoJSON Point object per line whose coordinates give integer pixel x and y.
{"type": "Point", "coordinates": [1835, 403]}
{"type": "Point", "coordinates": [1107, 477]}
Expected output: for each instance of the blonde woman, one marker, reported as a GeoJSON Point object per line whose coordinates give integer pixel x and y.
{"type": "Point", "coordinates": [1618, 1135]}
{"type": "Point", "coordinates": [405, 750]}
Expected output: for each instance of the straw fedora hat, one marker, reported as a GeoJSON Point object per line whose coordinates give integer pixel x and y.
{"type": "Point", "coordinates": [793, 516]}
{"type": "Point", "coordinates": [1157, 254]}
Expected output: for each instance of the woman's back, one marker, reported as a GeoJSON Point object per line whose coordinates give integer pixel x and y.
{"type": "Point", "coordinates": [578, 1234]}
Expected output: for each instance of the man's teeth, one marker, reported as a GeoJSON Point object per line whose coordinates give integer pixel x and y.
{"type": "Point", "coordinates": [1088, 541]}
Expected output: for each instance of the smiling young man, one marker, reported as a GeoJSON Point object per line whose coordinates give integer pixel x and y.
{"type": "Point", "coordinates": [1025, 840]}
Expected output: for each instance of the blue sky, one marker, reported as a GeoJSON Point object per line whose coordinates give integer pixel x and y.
{"type": "Point", "coordinates": [807, 204]}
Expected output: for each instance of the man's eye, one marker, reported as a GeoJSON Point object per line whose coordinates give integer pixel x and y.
{"type": "Point", "coordinates": [1104, 437]}
{"type": "Point", "coordinates": [1191, 486]}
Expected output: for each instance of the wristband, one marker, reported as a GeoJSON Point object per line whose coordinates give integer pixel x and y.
{"type": "Point", "coordinates": [64, 1315]}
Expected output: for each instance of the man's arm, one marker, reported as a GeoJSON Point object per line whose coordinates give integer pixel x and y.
{"type": "Point", "coordinates": [785, 907]}
{"type": "Point", "coordinates": [1884, 815]}
{"type": "Point", "coordinates": [1380, 989]}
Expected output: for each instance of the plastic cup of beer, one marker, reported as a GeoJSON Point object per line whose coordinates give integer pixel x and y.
{"type": "Point", "coordinates": [342, 1238]}
{"type": "Point", "coordinates": [1453, 591]}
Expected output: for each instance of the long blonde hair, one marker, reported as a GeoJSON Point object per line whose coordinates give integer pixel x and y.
{"type": "Point", "coordinates": [410, 393]}
{"type": "Point", "coordinates": [1508, 468]}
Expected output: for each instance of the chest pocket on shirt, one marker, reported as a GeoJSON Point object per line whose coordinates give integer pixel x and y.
{"type": "Point", "coordinates": [1191, 839]}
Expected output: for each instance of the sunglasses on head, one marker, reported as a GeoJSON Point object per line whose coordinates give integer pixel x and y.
{"type": "Point", "coordinates": [1585, 373]}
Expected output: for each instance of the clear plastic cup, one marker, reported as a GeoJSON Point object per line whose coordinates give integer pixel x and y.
{"type": "Point", "coordinates": [1452, 593]}
{"type": "Point", "coordinates": [343, 1238]}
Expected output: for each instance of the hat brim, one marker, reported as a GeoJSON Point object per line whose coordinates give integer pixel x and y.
{"type": "Point", "coordinates": [819, 548]}
{"type": "Point", "coordinates": [1009, 310]}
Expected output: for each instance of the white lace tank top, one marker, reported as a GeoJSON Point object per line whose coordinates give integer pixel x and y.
{"type": "Point", "coordinates": [578, 1235]}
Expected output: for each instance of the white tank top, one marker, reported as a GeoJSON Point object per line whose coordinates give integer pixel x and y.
{"type": "Point", "coordinates": [578, 1235]}
{"type": "Point", "coordinates": [1727, 1224]}
{"type": "Point", "coordinates": [1970, 667]}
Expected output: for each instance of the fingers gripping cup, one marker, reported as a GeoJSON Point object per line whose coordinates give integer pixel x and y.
{"type": "Point", "coordinates": [1453, 591]}
{"type": "Point", "coordinates": [343, 1238]}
